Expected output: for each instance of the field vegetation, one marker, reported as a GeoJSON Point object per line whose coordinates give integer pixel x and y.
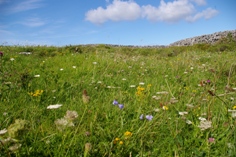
{"type": "Point", "coordinates": [105, 101]}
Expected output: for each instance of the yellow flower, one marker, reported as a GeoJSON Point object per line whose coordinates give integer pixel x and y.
{"type": "Point", "coordinates": [149, 85]}
{"type": "Point", "coordinates": [116, 140]}
{"type": "Point", "coordinates": [121, 142]}
{"type": "Point", "coordinates": [165, 108]}
{"type": "Point", "coordinates": [128, 134]}
{"type": "Point", "coordinates": [234, 107]}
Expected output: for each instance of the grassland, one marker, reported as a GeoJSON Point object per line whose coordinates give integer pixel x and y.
{"type": "Point", "coordinates": [118, 101]}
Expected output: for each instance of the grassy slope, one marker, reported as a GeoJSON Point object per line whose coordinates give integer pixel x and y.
{"type": "Point", "coordinates": [107, 74]}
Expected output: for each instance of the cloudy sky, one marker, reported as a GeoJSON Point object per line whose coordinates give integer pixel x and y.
{"type": "Point", "coordinates": [125, 22]}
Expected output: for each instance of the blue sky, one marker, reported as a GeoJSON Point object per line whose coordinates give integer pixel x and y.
{"type": "Point", "coordinates": [124, 22]}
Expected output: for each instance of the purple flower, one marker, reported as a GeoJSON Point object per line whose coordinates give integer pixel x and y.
{"type": "Point", "coordinates": [149, 117]}
{"type": "Point", "coordinates": [121, 106]}
{"type": "Point", "coordinates": [208, 81]}
{"type": "Point", "coordinates": [141, 117]}
{"type": "Point", "coordinates": [115, 102]}
{"type": "Point", "coordinates": [1, 53]}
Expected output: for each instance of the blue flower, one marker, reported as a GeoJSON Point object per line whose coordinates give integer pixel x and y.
{"type": "Point", "coordinates": [141, 117]}
{"type": "Point", "coordinates": [121, 106]}
{"type": "Point", "coordinates": [149, 117]}
{"type": "Point", "coordinates": [115, 102]}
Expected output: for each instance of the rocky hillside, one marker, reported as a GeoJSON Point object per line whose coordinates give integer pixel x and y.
{"type": "Point", "coordinates": [209, 38]}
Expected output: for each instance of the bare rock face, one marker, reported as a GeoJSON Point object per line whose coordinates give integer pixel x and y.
{"type": "Point", "coordinates": [209, 38]}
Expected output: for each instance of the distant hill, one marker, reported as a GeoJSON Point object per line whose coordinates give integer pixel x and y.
{"type": "Point", "coordinates": [209, 38]}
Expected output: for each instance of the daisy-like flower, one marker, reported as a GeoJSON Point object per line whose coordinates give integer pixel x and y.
{"type": "Point", "coordinates": [54, 106]}
{"type": "Point", "coordinates": [12, 59]}
{"type": "Point", "coordinates": [61, 69]}
{"type": "Point", "coordinates": [149, 117]}
{"type": "Point", "coordinates": [132, 86]}
{"type": "Point", "coordinates": [74, 67]}
{"type": "Point", "coordinates": [36, 75]}
{"type": "Point", "coordinates": [141, 83]}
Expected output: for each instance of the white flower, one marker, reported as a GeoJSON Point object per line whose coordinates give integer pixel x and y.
{"type": "Point", "coordinates": [185, 72]}
{"type": "Point", "coordinates": [202, 119]}
{"type": "Point", "coordinates": [123, 79]}
{"type": "Point", "coordinates": [3, 131]}
{"type": "Point", "coordinates": [71, 115]}
{"type": "Point", "coordinates": [54, 106]}
{"type": "Point", "coordinates": [36, 75]}
{"type": "Point", "coordinates": [190, 105]}
{"type": "Point", "coordinates": [183, 113]}
{"type": "Point", "coordinates": [141, 83]}
{"type": "Point", "coordinates": [205, 125]}
{"type": "Point", "coordinates": [163, 92]}
{"type": "Point", "coordinates": [14, 147]}
{"type": "Point", "coordinates": [95, 63]}
{"type": "Point", "coordinates": [61, 69]}
{"type": "Point", "coordinates": [12, 59]}
{"type": "Point", "coordinates": [188, 122]}
{"type": "Point", "coordinates": [156, 97]}
{"type": "Point", "coordinates": [63, 123]}
{"type": "Point", "coordinates": [156, 109]}
{"type": "Point", "coordinates": [132, 86]}
{"type": "Point", "coordinates": [74, 67]}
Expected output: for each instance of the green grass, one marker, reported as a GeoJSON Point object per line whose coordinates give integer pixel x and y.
{"type": "Point", "coordinates": [194, 78]}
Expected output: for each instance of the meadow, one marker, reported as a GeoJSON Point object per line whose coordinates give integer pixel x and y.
{"type": "Point", "coordinates": [106, 101]}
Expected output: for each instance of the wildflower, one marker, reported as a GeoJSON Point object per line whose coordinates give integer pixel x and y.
{"type": "Point", "coordinates": [87, 149]}
{"type": "Point", "coordinates": [3, 131]}
{"type": "Point", "coordinates": [128, 134]}
{"type": "Point", "coordinates": [74, 67]}
{"type": "Point", "coordinates": [54, 106]}
{"type": "Point", "coordinates": [116, 140]}
{"type": "Point", "coordinates": [115, 102]}
{"type": "Point", "coordinates": [36, 93]}
{"type": "Point", "coordinates": [156, 109]}
{"type": "Point", "coordinates": [85, 97]}
{"type": "Point", "coordinates": [183, 113]}
{"type": "Point", "coordinates": [234, 108]}
{"type": "Point", "coordinates": [15, 147]}
{"type": "Point", "coordinates": [123, 79]}
{"type": "Point", "coordinates": [12, 59]}
{"type": "Point", "coordinates": [141, 83]}
{"type": "Point", "coordinates": [36, 75]}
{"type": "Point", "coordinates": [149, 117]}
{"type": "Point", "coordinates": [188, 122]}
{"type": "Point", "coordinates": [165, 108]}
{"type": "Point", "coordinates": [1, 53]}
{"type": "Point", "coordinates": [61, 69]}
{"type": "Point", "coordinates": [211, 140]}
{"type": "Point", "coordinates": [121, 142]}
{"type": "Point", "coordinates": [94, 63]}
{"type": "Point", "coordinates": [201, 118]}
{"type": "Point", "coordinates": [205, 125]}
{"type": "Point", "coordinates": [141, 117]}
{"type": "Point", "coordinates": [71, 115]}
{"type": "Point", "coordinates": [63, 123]}
{"type": "Point", "coordinates": [132, 86]}
{"type": "Point", "coordinates": [162, 93]}
{"type": "Point", "coordinates": [121, 106]}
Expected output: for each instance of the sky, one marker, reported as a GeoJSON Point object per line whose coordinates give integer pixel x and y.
{"type": "Point", "coordinates": [122, 22]}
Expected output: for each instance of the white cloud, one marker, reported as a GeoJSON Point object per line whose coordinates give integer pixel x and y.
{"type": "Point", "coordinates": [207, 14]}
{"type": "Point", "coordinates": [33, 22]}
{"type": "Point", "coordinates": [169, 12]}
{"type": "Point", "coordinates": [25, 5]}
{"type": "Point", "coordinates": [172, 11]}
{"type": "Point", "coordinates": [117, 11]}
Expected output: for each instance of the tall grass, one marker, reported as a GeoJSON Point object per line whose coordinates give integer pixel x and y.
{"type": "Point", "coordinates": [176, 101]}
